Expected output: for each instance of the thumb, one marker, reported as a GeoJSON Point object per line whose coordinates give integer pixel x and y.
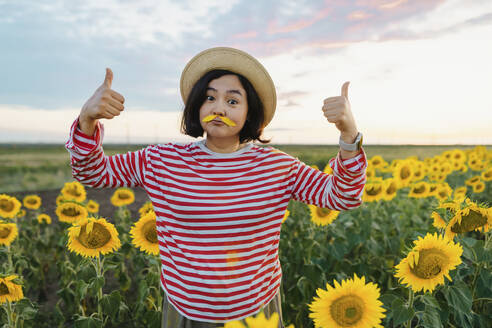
{"type": "Point", "coordinates": [345, 89]}
{"type": "Point", "coordinates": [108, 79]}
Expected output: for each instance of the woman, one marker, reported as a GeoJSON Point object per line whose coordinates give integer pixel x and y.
{"type": "Point", "coordinates": [220, 201]}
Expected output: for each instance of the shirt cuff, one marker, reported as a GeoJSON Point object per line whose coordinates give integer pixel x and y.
{"type": "Point", "coordinates": [353, 166]}
{"type": "Point", "coordinates": [82, 141]}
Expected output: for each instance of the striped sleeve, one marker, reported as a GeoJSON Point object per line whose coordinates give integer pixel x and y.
{"type": "Point", "coordinates": [91, 167]}
{"type": "Point", "coordinates": [340, 191]}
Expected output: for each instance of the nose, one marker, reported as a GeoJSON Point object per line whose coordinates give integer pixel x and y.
{"type": "Point", "coordinates": [219, 109]}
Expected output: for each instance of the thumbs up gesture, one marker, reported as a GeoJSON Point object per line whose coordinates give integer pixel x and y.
{"type": "Point", "coordinates": [337, 110]}
{"type": "Point", "coordinates": [104, 103]}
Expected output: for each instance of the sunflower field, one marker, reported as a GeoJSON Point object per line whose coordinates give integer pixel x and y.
{"type": "Point", "coordinates": [416, 253]}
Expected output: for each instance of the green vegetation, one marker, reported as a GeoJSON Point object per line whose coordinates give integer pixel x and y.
{"type": "Point", "coordinates": [28, 167]}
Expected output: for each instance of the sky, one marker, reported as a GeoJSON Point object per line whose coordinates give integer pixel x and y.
{"type": "Point", "coordinates": [420, 71]}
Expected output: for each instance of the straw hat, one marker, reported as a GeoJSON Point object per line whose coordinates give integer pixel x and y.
{"type": "Point", "coordinates": [236, 61]}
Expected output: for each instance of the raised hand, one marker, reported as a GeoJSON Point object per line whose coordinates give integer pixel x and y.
{"type": "Point", "coordinates": [104, 103]}
{"type": "Point", "coordinates": [337, 110]}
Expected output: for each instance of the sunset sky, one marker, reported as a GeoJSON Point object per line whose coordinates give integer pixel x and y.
{"type": "Point", "coordinates": [420, 71]}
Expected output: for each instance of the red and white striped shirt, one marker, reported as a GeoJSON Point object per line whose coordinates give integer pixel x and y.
{"type": "Point", "coordinates": [218, 215]}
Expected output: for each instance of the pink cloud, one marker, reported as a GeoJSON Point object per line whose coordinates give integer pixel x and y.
{"type": "Point", "coordinates": [358, 15]}
{"type": "Point", "coordinates": [245, 35]}
{"type": "Point", "coordinates": [299, 24]}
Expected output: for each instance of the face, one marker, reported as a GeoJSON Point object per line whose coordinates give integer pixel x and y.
{"type": "Point", "coordinates": [225, 97]}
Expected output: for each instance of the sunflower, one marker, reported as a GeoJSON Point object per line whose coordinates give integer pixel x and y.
{"type": "Point", "coordinates": [260, 321]}
{"type": "Point", "coordinates": [460, 193]}
{"type": "Point", "coordinates": [419, 190]}
{"type": "Point", "coordinates": [328, 169]}
{"type": "Point", "coordinates": [122, 196]}
{"type": "Point", "coordinates": [433, 189]}
{"type": "Point", "coordinates": [9, 206]}
{"type": "Point", "coordinates": [144, 234]}
{"type": "Point", "coordinates": [314, 166]}
{"type": "Point", "coordinates": [286, 215]}
{"type": "Point", "coordinates": [378, 162]}
{"type": "Point", "coordinates": [487, 174]}
{"type": "Point", "coordinates": [8, 232]}
{"type": "Point", "coordinates": [147, 207]}
{"type": "Point", "coordinates": [443, 191]}
{"type": "Point", "coordinates": [90, 237]}
{"type": "Point", "coordinates": [32, 202]}
{"type": "Point", "coordinates": [438, 220]}
{"type": "Point", "coordinates": [469, 218]}
{"type": "Point", "coordinates": [478, 187]}
{"type": "Point", "coordinates": [59, 199]}
{"type": "Point", "coordinates": [458, 155]}
{"type": "Point", "coordinates": [471, 181]}
{"type": "Point", "coordinates": [390, 187]}
{"type": "Point", "coordinates": [71, 212]}
{"type": "Point", "coordinates": [10, 289]}
{"type": "Point", "coordinates": [370, 172]}
{"type": "Point", "coordinates": [429, 262]}
{"type": "Point", "coordinates": [463, 168]}
{"type": "Point", "coordinates": [322, 216]}
{"type": "Point", "coordinates": [44, 218]}
{"type": "Point", "coordinates": [74, 191]}
{"type": "Point", "coordinates": [353, 303]}
{"type": "Point", "coordinates": [21, 213]}
{"type": "Point", "coordinates": [92, 206]}
{"type": "Point", "coordinates": [403, 173]}
{"type": "Point", "coordinates": [373, 191]}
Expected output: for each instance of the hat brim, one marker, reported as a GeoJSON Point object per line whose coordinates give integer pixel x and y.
{"type": "Point", "coordinates": [236, 61]}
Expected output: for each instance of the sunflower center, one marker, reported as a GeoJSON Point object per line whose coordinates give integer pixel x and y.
{"type": "Point", "coordinates": [6, 205]}
{"type": "Point", "coordinates": [419, 190]}
{"type": "Point", "coordinates": [322, 212]}
{"type": "Point", "coordinates": [71, 211]}
{"type": "Point", "coordinates": [374, 190]}
{"type": "Point", "coordinates": [405, 172]}
{"type": "Point", "coordinates": [123, 195]}
{"type": "Point", "coordinates": [475, 179]}
{"type": "Point", "coordinates": [347, 310]}
{"type": "Point", "coordinates": [430, 264]}
{"type": "Point", "coordinates": [391, 188]}
{"type": "Point", "coordinates": [98, 237]}
{"type": "Point", "coordinates": [150, 232]}
{"type": "Point", "coordinates": [4, 232]}
{"type": "Point", "coordinates": [74, 192]}
{"type": "Point", "coordinates": [4, 290]}
{"type": "Point", "coordinates": [32, 201]}
{"type": "Point", "coordinates": [443, 193]}
{"type": "Point", "coordinates": [469, 222]}
{"type": "Point", "coordinates": [488, 174]}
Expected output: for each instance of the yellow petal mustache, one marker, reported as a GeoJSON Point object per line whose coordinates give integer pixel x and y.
{"type": "Point", "coordinates": [224, 119]}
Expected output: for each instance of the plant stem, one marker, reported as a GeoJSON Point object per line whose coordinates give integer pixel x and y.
{"type": "Point", "coordinates": [410, 305]}
{"type": "Point", "coordinates": [9, 254]}
{"type": "Point", "coordinates": [9, 315]}
{"type": "Point", "coordinates": [159, 297]}
{"type": "Point", "coordinates": [99, 292]}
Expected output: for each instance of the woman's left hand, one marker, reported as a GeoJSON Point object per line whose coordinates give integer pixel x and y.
{"type": "Point", "coordinates": [337, 110]}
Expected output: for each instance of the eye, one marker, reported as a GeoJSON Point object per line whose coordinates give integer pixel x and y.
{"type": "Point", "coordinates": [235, 102]}
{"type": "Point", "coordinates": [208, 98]}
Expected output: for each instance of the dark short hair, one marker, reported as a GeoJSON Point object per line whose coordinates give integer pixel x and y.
{"type": "Point", "coordinates": [253, 127]}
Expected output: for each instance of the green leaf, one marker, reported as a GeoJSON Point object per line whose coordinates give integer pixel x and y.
{"type": "Point", "coordinates": [96, 283]}
{"type": "Point", "coordinates": [459, 297]}
{"type": "Point", "coordinates": [111, 303]}
{"type": "Point", "coordinates": [25, 309]}
{"type": "Point", "coordinates": [431, 318]}
{"type": "Point", "coordinates": [401, 313]}
{"type": "Point", "coordinates": [430, 300]}
{"type": "Point", "coordinates": [88, 322]}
